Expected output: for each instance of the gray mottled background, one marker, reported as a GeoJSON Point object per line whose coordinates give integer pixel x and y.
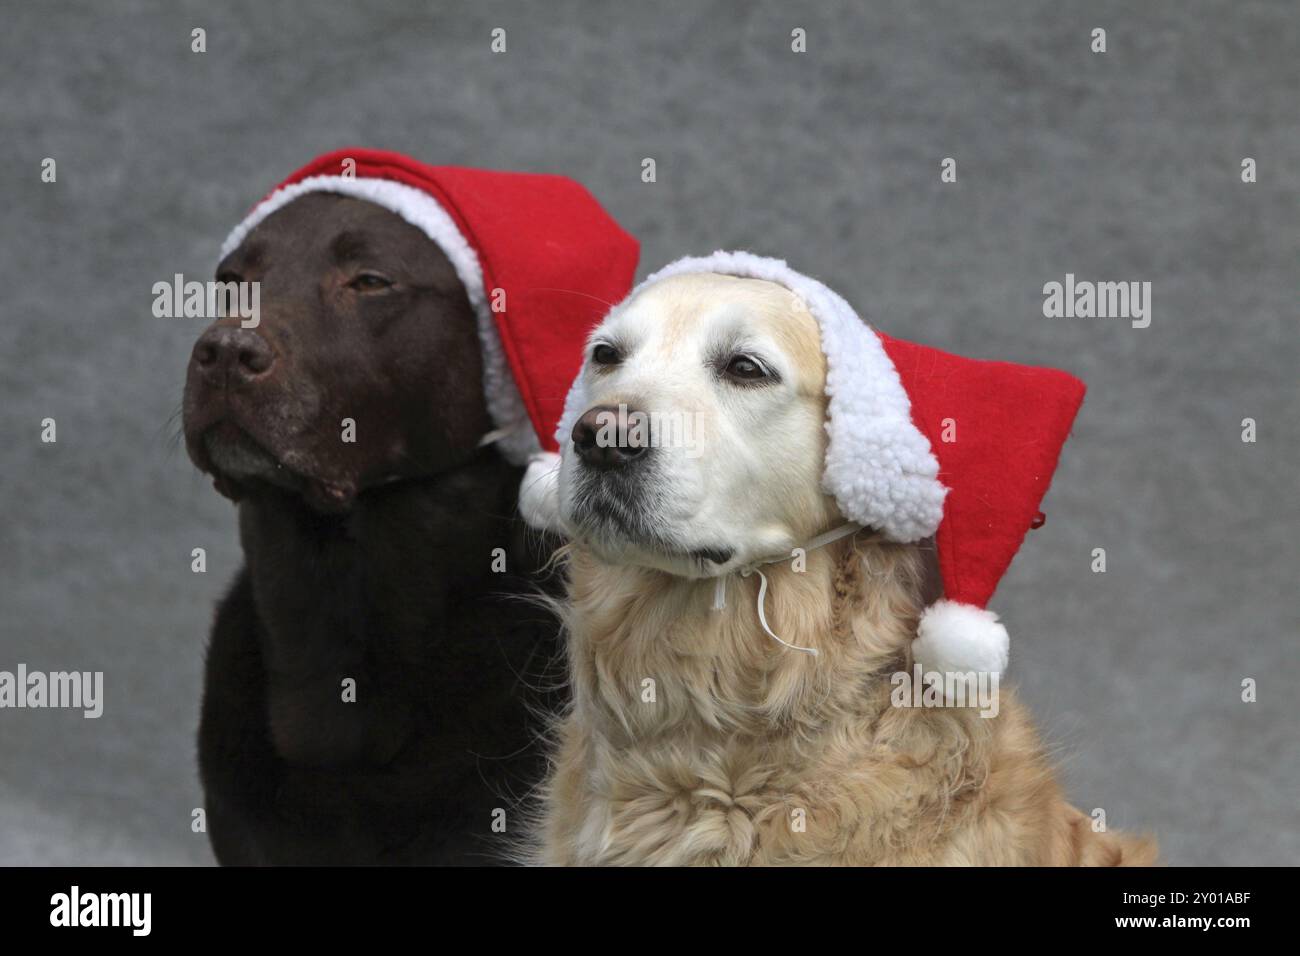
{"type": "Point", "coordinates": [1123, 166]}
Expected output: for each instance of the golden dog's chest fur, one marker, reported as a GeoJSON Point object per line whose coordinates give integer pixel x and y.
{"type": "Point", "coordinates": [693, 738]}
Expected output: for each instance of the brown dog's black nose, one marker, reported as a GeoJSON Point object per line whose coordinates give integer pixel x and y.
{"type": "Point", "coordinates": [606, 437]}
{"type": "Point", "coordinates": [224, 349]}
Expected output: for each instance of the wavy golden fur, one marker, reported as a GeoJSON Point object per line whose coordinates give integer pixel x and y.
{"type": "Point", "coordinates": [693, 738]}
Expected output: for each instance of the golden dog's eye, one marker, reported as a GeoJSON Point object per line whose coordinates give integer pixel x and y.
{"type": "Point", "coordinates": [370, 282]}
{"type": "Point", "coordinates": [604, 354]}
{"type": "Point", "coordinates": [745, 369]}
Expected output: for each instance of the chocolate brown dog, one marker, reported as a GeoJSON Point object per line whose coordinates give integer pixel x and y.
{"type": "Point", "coordinates": [371, 675]}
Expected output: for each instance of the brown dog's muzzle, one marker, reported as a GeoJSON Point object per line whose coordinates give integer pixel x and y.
{"type": "Point", "coordinates": [232, 355]}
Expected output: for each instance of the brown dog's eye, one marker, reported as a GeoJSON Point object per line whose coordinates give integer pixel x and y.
{"type": "Point", "coordinates": [605, 355]}
{"type": "Point", "coordinates": [370, 282]}
{"type": "Point", "coordinates": [745, 369]}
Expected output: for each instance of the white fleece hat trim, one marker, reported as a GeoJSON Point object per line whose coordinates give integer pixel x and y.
{"type": "Point", "coordinates": [539, 492]}
{"type": "Point", "coordinates": [879, 466]}
{"type": "Point", "coordinates": [421, 210]}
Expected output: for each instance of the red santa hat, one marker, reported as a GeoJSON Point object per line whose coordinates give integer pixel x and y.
{"type": "Point", "coordinates": [539, 257]}
{"type": "Point", "coordinates": [922, 443]}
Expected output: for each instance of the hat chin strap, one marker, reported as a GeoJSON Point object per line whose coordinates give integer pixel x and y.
{"type": "Point", "coordinates": [755, 567]}
{"type": "Point", "coordinates": [496, 434]}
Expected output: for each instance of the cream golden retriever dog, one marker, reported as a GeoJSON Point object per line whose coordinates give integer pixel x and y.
{"type": "Point", "coordinates": [694, 738]}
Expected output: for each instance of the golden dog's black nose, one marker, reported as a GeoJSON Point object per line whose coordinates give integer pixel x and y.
{"type": "Point", "coordinates": [610, 436]}
{"type": "Point", "coordinates": [233, 353]}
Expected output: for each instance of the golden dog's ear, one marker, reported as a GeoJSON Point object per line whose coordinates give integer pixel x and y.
{"type": "Point", "coordinates": [931, 577]}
